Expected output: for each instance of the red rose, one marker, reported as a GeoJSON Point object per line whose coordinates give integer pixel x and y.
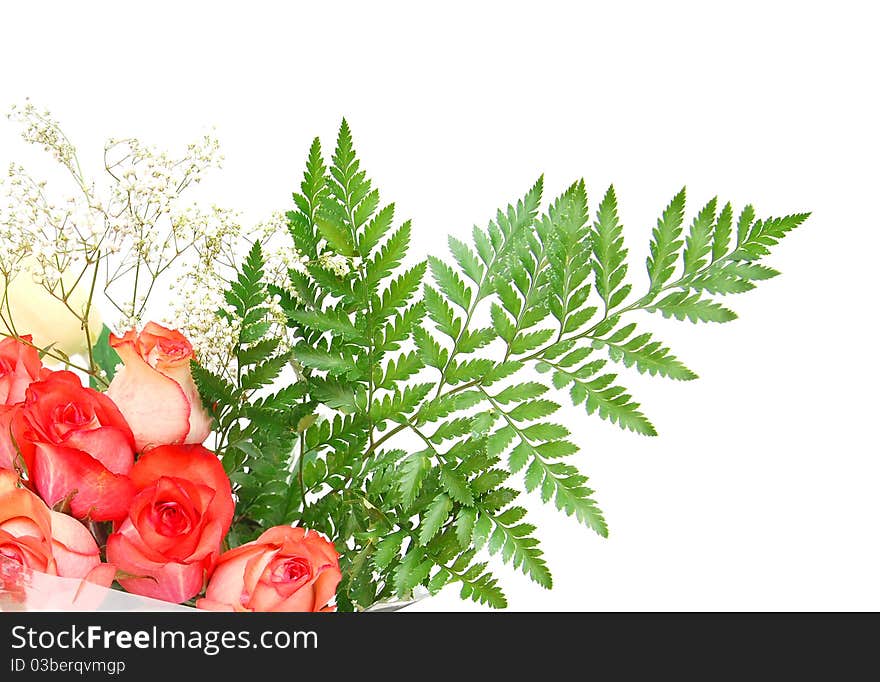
{"type": "Point", "coordinates": [20, 365]}
{"type": "Point", "coordinates": [179, 516]}
{"type": "Point", "coordinates": [155, 389]}
{"type": "Point", "coordinates": [285, 569]}
{"type": "Point", "coordinates": [76, 446]}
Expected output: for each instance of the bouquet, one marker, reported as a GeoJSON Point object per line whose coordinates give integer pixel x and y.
{"type": "Point", "coordinates": [298, 416]}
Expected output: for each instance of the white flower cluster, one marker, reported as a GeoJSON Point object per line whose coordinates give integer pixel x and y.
{"type": "Point", "coordinates": [131, 229]}
{"type": "Point", "coordinates": [198, 291]}
{"type": "Point", "coordinates": [39, 128]}
{"type": "Point", "coordinates": [115, 239]}
{"type": "Point", "coordinates": [338, 264]}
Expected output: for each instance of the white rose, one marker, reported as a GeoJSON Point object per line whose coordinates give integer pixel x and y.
{"type": "Point", "coordinates": [35, 311]}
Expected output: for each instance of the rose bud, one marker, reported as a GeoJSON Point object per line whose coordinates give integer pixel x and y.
{"type": "Point", "coordinates": [181, 512]}
{"type": "Point", "coordinates": [285, 569]}
{"type": "Point", "coordinates": [155, 389]}
{"type": "Point", "coordinates": [76, 447]}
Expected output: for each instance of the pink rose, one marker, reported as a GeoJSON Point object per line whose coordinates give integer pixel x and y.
{"type": "Point", "coordinates": [285, 569]}
{"type": "Point", "coordinates": [155, 390]}
{"type": "Point", "coordinates": [37, 538]}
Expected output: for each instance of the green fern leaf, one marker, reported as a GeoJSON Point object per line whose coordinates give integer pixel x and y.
{"type": "Point", "coordinates": [682, 306]}
{"type": "Point", "coordinates": [666, 242]}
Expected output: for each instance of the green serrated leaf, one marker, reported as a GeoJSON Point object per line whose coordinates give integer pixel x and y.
{"type": "Point", "coordinates": [434, 518]}
{"type": "Point", "coordinates": [682, 306]}
{"type": "Point", "coordinates": [666, 242]}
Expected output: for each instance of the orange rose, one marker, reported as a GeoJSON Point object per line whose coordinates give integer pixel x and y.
{"type": "Point", "coordinates": [36, 538]}
{"type": "Point", "coordinates": [285, 569]}
{"type": "Point", "coordinates": [178, 518]}
{"type": "Point", "coordinates": [76, 447]}
{"type": "Point", "coordinates": [155, 389]}
{"type": "Point", "coordinates": [20, 365]}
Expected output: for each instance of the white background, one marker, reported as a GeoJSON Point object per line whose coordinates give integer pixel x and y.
{"type": "Point", "coordinates": [761, 491]}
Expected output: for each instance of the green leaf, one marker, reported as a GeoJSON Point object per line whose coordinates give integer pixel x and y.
{"type": "Point", "coordinates": [335, 394]}
{"type": "Point", "coordinates": [376, 229]}
{"type": "Point", "coordinates": [301, 223]}
{"type": "Point", "coordinates": [390, 255]}
{"type": "Point", "coordinates": [502, 324]}
{"type": "Point", "coordinates": [265, 373]}
{"type": "Point", "coordinates": [666, 242]}
{"type": "Point", "coordinates": [765, 234]}
{"type": "Point", "coordinates": [331, 320]}
{"type": "Point", "coordinates": [436, 515]}
{"type": "Point", "coordinates": [722, 232]}
{"type": "Point", "coordinates": [467, 260]}
{"type": "Point", "coordinates": [468, 370]}
{"type": "Point", "coordinates": [533, 409]}
{"type": "Point", "coordinates": [484, 590]}
{"type": "Point", "coordinates": [410, 572]}
{"type": "Point", "coordinates": [609, 254]}
{"type": "Point", "coordinates": [399, 291]}
{"type": "Point", "coordinates": [648, 356]}
{"type": "Point", "coordinates": [431, 352]}
{"type": "Point", "coordinates": [682, 306]}
{"type": "Point", "coordinates": [411, 476]}
{"type": "Point", "coordinates": [520, 392]}
{"type": "Point", "coordinates": [333, 363]}
{"type": "Point", "coordinates": [526, 341]}
{"type": "Point", "coordinates": [441, 313]}
{"type": "Point", "coordinates": [450, 283]}
{"type": "Point", "coordinates": [456, 485]}
{"type": "Point", "coordinates": [398, 369]}
{"type": "Point", "coordinates": [388, 549]}
{"type": "Point", "coordinates": [698, 244]}
{"type": "Point", "coordinates": [721, 281]}
{"type": "Point", "coordinates": [213, 389]}
{"type": "Point", "coordinates": [612, 403]}
{"type": "Point", "coordinates": [257, 353]}
{"type": "Point", "coordinates": [335, 233]}
{"type": "Point", "coordinates": [520, 549]}
{"type": "Point", "coordinates": [104, 356]}
{"type": "Point", "coordinates": [464, 525]}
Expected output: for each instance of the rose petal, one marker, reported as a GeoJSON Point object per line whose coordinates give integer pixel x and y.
{"type": "Point", "coordinates": [155, 407]}
{"type": "Point", "coordinates": [227, 580]}
{"type": "Point", "coordinates": [193, 463]}
{"type": "Point", "coordinates": [101, 495]}
{"type": "Point", "coordinates": [301, 601]}
{"type": "Point", "coordinates": [26, 366]}
{"type": "Point", "coordinates": [102, 574]}
{"type": "Point", "coordinates": [200, 421]}
{"type": "Point", "coordinates": [110, 446]}
{"type": "Point", "coordinates": [172, 582]}
{"type": "Point", "coordinates": [8, 480]}
{"type": "Point", "coordinates": [192, 499]}
{"type": "Point", "coordinates": [326, 583]}
{"type": "Point", "coordinates": [23, 504]}
{"type": "Point", "coordinates": [210, 605]}
{"type": "Point", "coordinates": [74, 548]}
{"type": "Point", "coordinates": [8, 451]}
